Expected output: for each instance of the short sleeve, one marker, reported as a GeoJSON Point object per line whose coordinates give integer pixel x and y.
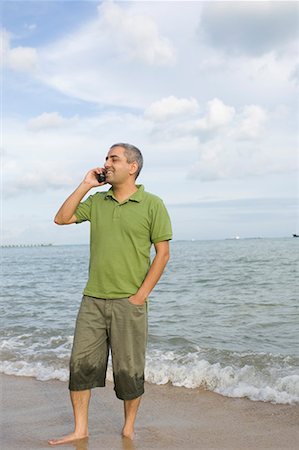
{"type": "Point", "coordinates": [161, 225]}
{"type": "Point", "coordinates": [83, 211]}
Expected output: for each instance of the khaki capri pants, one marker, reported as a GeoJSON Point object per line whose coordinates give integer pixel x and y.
{"type": "Point", "coordinates": [104, 324]}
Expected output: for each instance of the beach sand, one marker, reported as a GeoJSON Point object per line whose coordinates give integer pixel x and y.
{"type": "Point", "coordinates": [169, 418]}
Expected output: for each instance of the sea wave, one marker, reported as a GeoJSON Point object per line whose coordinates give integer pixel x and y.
{"type": "Point", "coordinates": [276, 381]}
{"type": "Point", "coordinates": [203, 338]}
{"type": "Point", "coordinates": [272, 384]}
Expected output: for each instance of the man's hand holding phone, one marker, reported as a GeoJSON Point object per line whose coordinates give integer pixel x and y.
{"type": "Point", "coordinates": [95, 177]}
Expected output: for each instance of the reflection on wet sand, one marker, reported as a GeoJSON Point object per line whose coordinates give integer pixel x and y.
{"type": "Point", "coordinates": [128, 444]}
{"type": "Point", "coordinates": [82, 444]}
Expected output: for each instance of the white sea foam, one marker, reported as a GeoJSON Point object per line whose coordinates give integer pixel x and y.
{"type": "Point", "coordinates": [40, 371]}
{"type": "Point", "coordinates": [189, 371]}
{"type": "Point", "coordinates": [36, 370]}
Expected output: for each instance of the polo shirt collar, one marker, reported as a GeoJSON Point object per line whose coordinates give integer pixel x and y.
{"type": "Point", "coordinates": [136, 197]}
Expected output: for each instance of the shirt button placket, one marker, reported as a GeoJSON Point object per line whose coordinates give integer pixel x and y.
{"type": "Point", "coordinates": [116, 212]}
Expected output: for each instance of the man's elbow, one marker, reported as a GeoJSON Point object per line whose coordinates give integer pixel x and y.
{"type": "Point", "coordinates": [58, 221]}
{"type": "Point", "coordinates": [62, 220]}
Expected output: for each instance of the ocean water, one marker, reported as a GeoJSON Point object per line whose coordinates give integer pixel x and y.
{"type": "Point", "coordinates": [224, 316]}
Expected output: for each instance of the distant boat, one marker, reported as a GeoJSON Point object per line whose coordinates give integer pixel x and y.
{"type": "Point", "coordinates": [234, 238]}
{"type": "Point", "coordinates": [295, 235]}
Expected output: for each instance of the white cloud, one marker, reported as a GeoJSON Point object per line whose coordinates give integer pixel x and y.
{"type": "Point", "coordinates": [252, 122]}
{"type": "Point", "coordinates": [171, 107]}
{"type": "Point", "coordinates": [295, 74]}
{"type": "Point", "coordinates": [52, 159]}
{"type": "Point", "coordinates": [137, 36]}
{"type": "Point", "coordinates": [247, 27]}
{"type": "Point", "coordinates": [172, 117]}
{"type": "Point", "coordinates": [224, 159]}
{"type": "Point", "coordinates": [116, 59]}
{"type": "Point", "coordinates": [44, 178]}
{"type": "Point", "coordinates": [4, 47]}
{"type": "Point", "coordinates": [232, 143]}
{"type": "Point", "coordinates": [110, 59]}
{"type": "Point", "coordinates": [219, 120]}
{"type": "Point", "coordinates": [36, 175]}
{"type": "Point", "coordinates": [24, 59]}
{"type": "Point", "coordinates": [49, 120]}
{"type": "Point", "coordinates": [30, 26]}
{"type": "Point", "coordinates": [218, 115]}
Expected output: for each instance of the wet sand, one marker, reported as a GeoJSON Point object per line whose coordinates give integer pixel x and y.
{"type": "Point", "coordinates": [169, 418]}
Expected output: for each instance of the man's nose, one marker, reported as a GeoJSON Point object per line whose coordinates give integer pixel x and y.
{"type": "Point", "coordinates": [107, 165]}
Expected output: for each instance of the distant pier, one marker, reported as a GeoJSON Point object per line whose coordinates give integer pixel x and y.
{"type": "Point", "coordinates": [25, 245]}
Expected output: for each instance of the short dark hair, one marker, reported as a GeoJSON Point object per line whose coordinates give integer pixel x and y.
{"type": "Point", "coordinates": [133, 154]}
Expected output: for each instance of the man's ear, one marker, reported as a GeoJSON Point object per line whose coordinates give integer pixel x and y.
{"type": "Point", "coordinates": [134, 168]}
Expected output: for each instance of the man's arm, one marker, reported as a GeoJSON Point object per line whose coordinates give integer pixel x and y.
{"type": "Point", "coordinates": [66, 213]}
{"type": "Point", "coordinates": [154, 274]}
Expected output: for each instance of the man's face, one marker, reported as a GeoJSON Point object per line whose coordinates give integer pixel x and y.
{"type": "Point", "coordinates": [117, 167]}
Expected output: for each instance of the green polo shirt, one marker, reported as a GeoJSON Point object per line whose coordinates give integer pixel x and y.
{"type": "Point", "coordinates": [121, 235]}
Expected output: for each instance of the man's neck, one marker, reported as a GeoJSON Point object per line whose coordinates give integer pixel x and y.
{"type": "Point", "coordinates": [124, 191]}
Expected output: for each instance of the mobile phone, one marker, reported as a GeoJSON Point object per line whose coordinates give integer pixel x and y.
{"type": "Point", "coordinates": [101, 177]}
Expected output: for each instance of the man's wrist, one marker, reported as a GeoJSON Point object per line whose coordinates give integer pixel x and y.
{"type": "Point", "coordinates": [85, 187]}
{"type": "Point", "coordinates": [138, 298]}
{"type": "Point", "coordinates": [142, 296]}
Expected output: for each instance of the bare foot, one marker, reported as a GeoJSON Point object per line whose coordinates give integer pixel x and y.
{"type": "Point", "coordinates": [128, 433]}
{"type": "Point", "coordinates": [68, 438]}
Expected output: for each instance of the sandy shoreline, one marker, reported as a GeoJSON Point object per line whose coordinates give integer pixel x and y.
{"type": "Point", "coordinates": [169, 418]}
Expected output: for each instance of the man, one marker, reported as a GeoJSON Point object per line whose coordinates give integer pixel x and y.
{"type": "Point", "coordinates": [124, 223]}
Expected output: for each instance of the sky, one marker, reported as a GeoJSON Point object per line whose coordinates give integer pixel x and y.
{"type": "Point", "coordinates": [207, 90]}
